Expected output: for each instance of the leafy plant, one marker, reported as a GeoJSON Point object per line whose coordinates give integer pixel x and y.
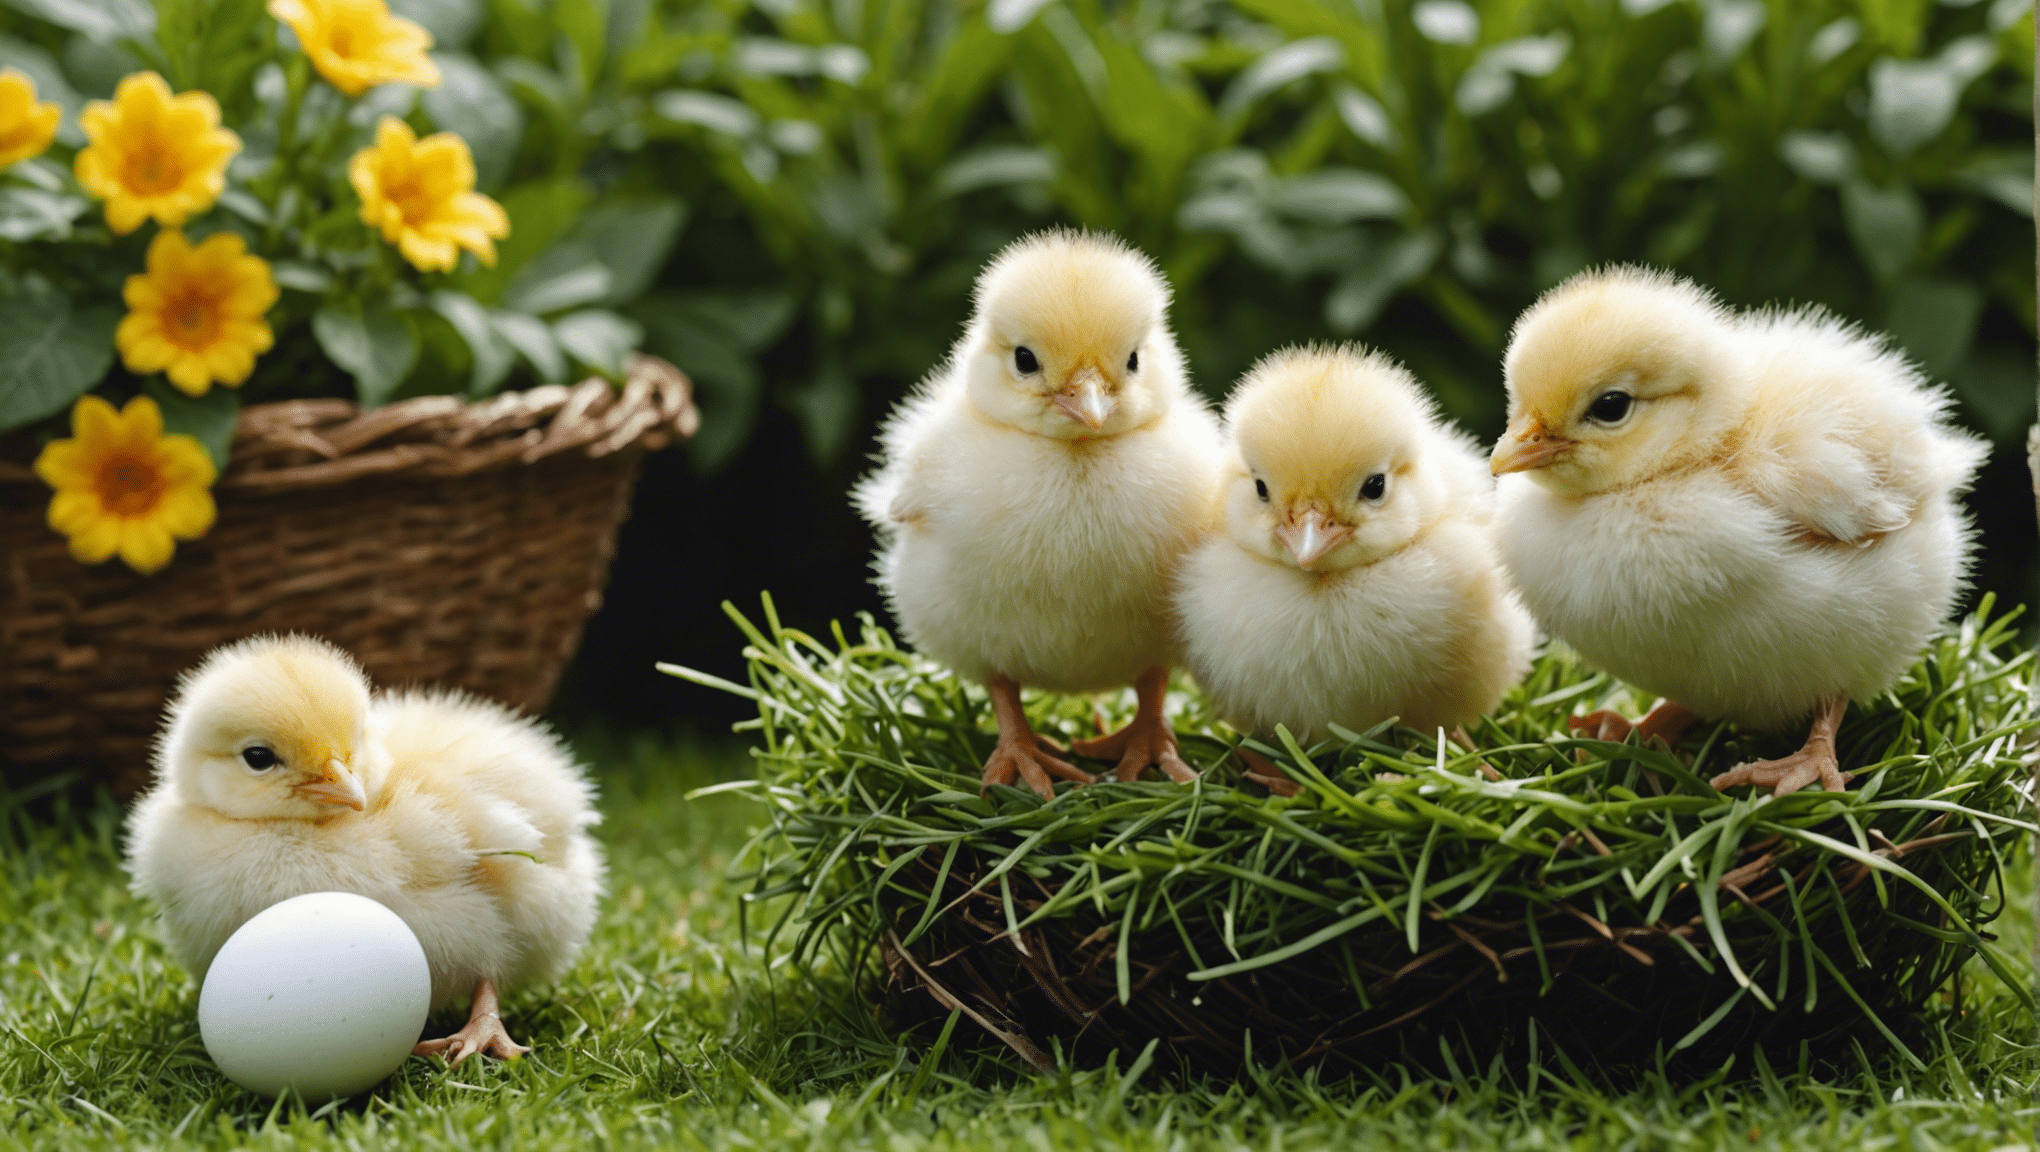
{"type": "Point", "coordinates": [1411, 172]}
{"type": "Point", "coordinates": [353, 316]}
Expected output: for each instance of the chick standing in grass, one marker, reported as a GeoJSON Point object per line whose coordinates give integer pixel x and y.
{"type": "Point", "coordinates": [1353, 578]}
{"type": "Point", "coordinates": [278, 773]}
{"type": "Point", "coordinates": [1752, 515]}
{"type": "Point", "coordinates": [1038, 490]}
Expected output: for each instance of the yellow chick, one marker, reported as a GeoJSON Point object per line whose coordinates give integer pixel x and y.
{"type": "Point", "coordinates": [1354, 577]}
{"type": "Point", "coordinates": [1037, 491]}
{"type": "Point", "coordinates": [1752, 515]}
{"type": "Point", "coordinates": [279, 773]}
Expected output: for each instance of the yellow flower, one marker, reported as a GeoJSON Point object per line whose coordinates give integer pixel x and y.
{"type": "Point", "coordinates": [122, 486]}
{"type": "Point", "coordinates": [420, 193]}
{"type": "Point", "coordinates": [154, 154]}
{"type": "Point", "coordinates": [197, 312]}
{"type": "Point", "coordinates": [26, 127]}
{"type": "Point", "coordinates": [357, 44]}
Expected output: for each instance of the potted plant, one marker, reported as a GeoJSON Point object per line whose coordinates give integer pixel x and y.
{"type": "Point", "coordinates": [259, 305]}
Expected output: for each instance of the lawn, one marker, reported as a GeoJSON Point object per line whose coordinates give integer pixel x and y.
{"type": "Point", "coordinates": [677, 1031]}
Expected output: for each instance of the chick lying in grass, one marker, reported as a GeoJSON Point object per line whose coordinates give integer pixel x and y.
{"type": "Point", "coordinates": [279, 773]}
{"type": "Point", "coordinates": [1039, 489]}
{"type": "Point", "coordinates": [1353, 578]}
{"type": "Point", "coordinates": [1751, 515]}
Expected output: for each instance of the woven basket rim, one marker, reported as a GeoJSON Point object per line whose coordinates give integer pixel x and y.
{"type": "Point", "coordinates": [292, 444]}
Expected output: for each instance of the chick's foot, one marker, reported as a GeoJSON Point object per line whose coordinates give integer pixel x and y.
{"type": "Point", "coordinates": [1021, 753]}
{"type": "Point", "coordinates": [484, 1033]}
{"type": "Point", "coordinates": [1146, 740]}
{"type": "Point", "coordinates": [1815, 761]}
{"type": "Point", "coordinates": [1267, 773]}
{"type": "Point", "coordinates": [1666, 720]}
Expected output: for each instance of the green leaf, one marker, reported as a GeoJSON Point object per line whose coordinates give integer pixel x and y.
{"type": "Point", "coordinates": [474, 105]}
{"type": "Point", "coordinates": [585, 25]}
{"type": "Point", "coordinates": [493, 355]}
{"type": "Point", "coordinates": [1935, 320]}
{"type": "Point", "coordinates": [299, 276]}
{"type": "Point", "coordinates": [826, 408]}
{"type": "Point", "coordinates": [709, 110]}
{"type": "Point", "coordinates": [210, 419]}
{"type": "Point", "coordinates": [452, 22]}
{"type": "Point", "coordinates": [54, 353]}
{"type": "Point", "coordinates": [1010, 16]}
{"type": "Point", "coordinates": [105, 21]}
{"type": "Point", "coordinates": [533, 339]}
{"type": "Point", "coordinates": [631, 238]}
{"type": "Point", "coordinates": [599, 339]}
{"type": "Point", "coordinates": [1280, 67]}
{"type": "Point", "coordinates": [378, 346]}
{"type": "Point", "coordinates": [2004, 175]}
{"type": "Point", "coordinates": [995, 165]}
{"type": "Point", "coordinates": [1338, 196]}
{"type": "Point", "coordinates": [1819, 157]}
{"type": "Point", "coordinates": [1361, 294]}
{"type": "Point", "coordinates": [540, 212]}
{"type": "Point", "coordinates": [566, 276]}
{"type": "Point", "coordinates": [1911, 102]}
{"type": "Point", "coordinates": [207, 45]}
{"type": "Point", "coordinates": [1885, 223]}
{"type": "Point", "coordinates": [35, 214]}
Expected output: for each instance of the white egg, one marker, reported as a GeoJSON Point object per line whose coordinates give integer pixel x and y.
{"type": "Point", "coordinates": [324, 993]}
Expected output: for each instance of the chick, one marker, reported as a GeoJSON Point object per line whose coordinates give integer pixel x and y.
{"type": "Point", "coordinates": [1753, 515]}
{"type": "Point", "coordinates": [1037, 491]}
{"type": "Point", "coordinates": [278, 773]}
{"type": "Point", "coordinates": [1353, 578]}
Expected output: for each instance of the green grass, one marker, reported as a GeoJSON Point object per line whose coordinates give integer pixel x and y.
{"type": "Point", "coordinates": [674, 1032]}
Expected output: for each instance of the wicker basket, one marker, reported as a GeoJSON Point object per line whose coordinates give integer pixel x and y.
{"type": "Point", "coordinates": [438, 540]}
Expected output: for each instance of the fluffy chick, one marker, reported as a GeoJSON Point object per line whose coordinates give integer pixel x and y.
{"type": "Point", "coordinates": [279, 773]}
{"type": "Point", "coordinates": [1354, 577]}
{"type": "Point", "coordinates": [1037, 491]}
{"type": "Point", "coordinates": [1753, 515]}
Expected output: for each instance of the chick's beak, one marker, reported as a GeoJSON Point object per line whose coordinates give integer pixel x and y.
{"type": "Point", "coordinates": [1526, 448]}
{"type": "Point", "coordinates": [1309, 536]}
{"type": "Point", "coordinates": [336, 785]}
{"type": "Point", "coordinates": [1083, 398]}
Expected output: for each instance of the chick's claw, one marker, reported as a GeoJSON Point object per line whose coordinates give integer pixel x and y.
{"type": "Point", "coordinates": [1666, 721]}
{"type": "Point", "coordinates": [1148, 739]}
{"type": "Point", "coordinates": [1267, 773]}
{"type": "Point", "coordinates": [1815, 761]}
{"type": "Point", "coordinates": [484, 1033]}
{"type": "Point", "coordinates": [1789, 775]}
{"type": "Point", "coordinates": [1026, 759]}
{"type": "Point", "coordinates": [1139, 744]}
{"type": "Point", "coordinates": [1022, 752]}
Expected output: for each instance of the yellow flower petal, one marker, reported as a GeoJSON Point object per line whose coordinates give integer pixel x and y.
{"type": "Point", "coordinates": [95, 422]}
{"type": "Point", "coordinates": [95, 541]}
{"type": "Point", "coordinates": [358, 44]}
{"type": "Point", "coordinates": [146, 545]}
{"type": "Point", "coordinates": [123, 486]}
{"type": "Point", "coordinates": [198, 313]}
{"type": "Point", "coordinates": [153, 154]}
{"type": "Point", "coordinates": [64, 464]}
{"type": "Point", "coordinates": [188, 513]}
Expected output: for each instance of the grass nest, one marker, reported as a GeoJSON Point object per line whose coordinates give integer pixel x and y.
{"type": "Point", "coordinates": [1598, 897]}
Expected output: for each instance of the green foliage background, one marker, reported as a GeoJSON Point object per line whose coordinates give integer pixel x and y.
{"type": "Point", "coordinates": [1411, 174]}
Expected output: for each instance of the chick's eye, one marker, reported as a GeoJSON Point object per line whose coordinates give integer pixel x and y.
{"type": "Point", "coordinates": [1374, 487]}
{"type": "Point", "coordinates": [1261, 490]}
{"type": "Point", "coordinates": [1023, 359]}
{"type": "Point", "coordinates": [1610, 407]}
{"type": "Point", "coordinates": [259, 758]}
{"type": "Point", "coordinates": [1133, 361]}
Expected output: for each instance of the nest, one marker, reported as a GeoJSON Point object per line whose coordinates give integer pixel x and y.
{"type": "Point", "coordinates": [437, 539]}
{"type": "Point", "coordinates": [1417, 901]}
